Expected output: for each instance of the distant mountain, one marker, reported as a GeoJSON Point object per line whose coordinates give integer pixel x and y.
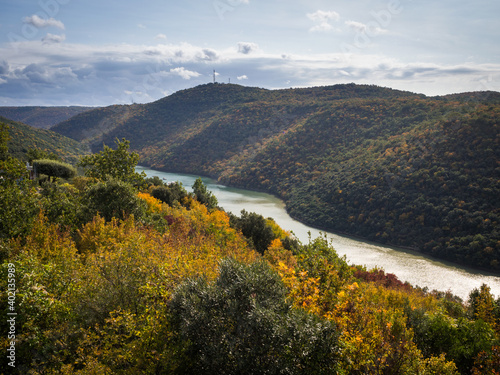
{"type": "Point", "coordinates": [41, 117]}
{"type": "Point", "coordinates": [25, 137]}
{"type": "Point", "coordinates": [386, 165]}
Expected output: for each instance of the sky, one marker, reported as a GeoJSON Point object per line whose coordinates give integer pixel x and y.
{"type": "Point", "coordinates": [97, 53]}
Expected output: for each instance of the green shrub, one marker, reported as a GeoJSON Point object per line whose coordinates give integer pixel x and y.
{"type": "Point", "coordinates": [243, 324]}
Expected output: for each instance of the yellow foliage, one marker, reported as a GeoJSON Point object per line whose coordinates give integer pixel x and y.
{"type": "Point", "coordinates": [276, 243]}
{"type": "Point", "coordinates": [46, 242]}
{"type": "Point", "coordinates": [304, 290]}
{"type": "Point", "coordinates": [154, 205]}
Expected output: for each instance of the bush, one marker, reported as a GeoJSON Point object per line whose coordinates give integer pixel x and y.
{"type": "Point", "coordinates": [242, 324]}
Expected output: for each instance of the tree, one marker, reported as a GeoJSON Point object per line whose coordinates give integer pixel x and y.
{"type": "Point", "coordinates": [203, 195]}
{"type": "Point", "coordinates": [243, 324]}
{"type": "Point", "coordinates": [254, 227]}
{"type": "Point", "coordinates": [173, 192]}
{"type": "Point", "coordinates": [54, 168]}
{"type": "Point", "coordinates": [113, 198]}
{"type": "Point", "coordinates": [18, 200]}
{"type": "Point", "coordinates": [118, 164]}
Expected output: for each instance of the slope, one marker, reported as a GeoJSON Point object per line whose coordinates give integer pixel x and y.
{"type": "Point", "coordinates": [24, 137]}
{"type": "Point", "coordinates": [386, 165]}
{"type": "Point", "coordinates": [41, 117]}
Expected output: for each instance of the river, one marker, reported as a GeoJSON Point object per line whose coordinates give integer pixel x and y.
{"type": "Point", "coordinates": [406, 265]}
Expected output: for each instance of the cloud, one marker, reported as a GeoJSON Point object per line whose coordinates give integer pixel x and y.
{"type": "Point", "coordinates": [51, 38]}
{"type": "Point", "coordinates": [357, 26]}
{"type": "Point", "coordinates": [141, 26]}
{"type": "Point", "coordinates": [40, 22]}
{"type": "Point", "coordinates": [322, 19]}
{"type": "Point", "coordinates": [247, 47]}
{"type": "Point", "coordinates": [183, 73]}
{"type": "Point", "coordinates": [4, 67]}
{"type": "Point", "coordinates": [161, 37]}
{"type": "Point", "coordinates": [208, 54]}
{"type": "Point", "coordinates": [370, 29]}
{"type": "Point", "coordinates": [37, 73]}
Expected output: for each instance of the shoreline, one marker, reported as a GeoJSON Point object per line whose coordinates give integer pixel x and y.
{"type": "Point", "coordinates": [395, 247]}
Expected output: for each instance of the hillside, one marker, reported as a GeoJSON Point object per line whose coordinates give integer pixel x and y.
{"type": "Point", "coordinates": [134, 276]}
{"type": "Point", "coordinates": [24, 137]}
{"type": "Point", "coordinates": [390, 166]}
{"type": "Point", "coordinates": [41, 117]}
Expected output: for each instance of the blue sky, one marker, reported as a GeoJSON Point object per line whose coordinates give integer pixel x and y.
{"type": "Point", "coordinates": [74, 52]}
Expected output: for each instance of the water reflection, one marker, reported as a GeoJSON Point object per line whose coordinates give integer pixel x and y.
{"type": "Point", "coordinates": [406, 265]}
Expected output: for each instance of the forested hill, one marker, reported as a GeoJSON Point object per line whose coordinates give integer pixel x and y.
{"type": "Point", "coordinates": [24, 138]}
{"type": "Point", "coordinates": [386, 165]}
{"type": "Point", "coordinates": [41, 117]}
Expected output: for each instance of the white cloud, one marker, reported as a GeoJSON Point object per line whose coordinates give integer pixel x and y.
{"type": "Point", "coordinates": [323, 16]}
{"type": "Point", "coordinates": [357, 26]}
{"type": "Point", "coordinates": [37, 73]}
{"type": "Point", "coordinates": [51, 38]}
{"type": "Point", "coordinates": [247, 47]}
{"type": "Point", "coordinates": [141, 26]}
{"type": "Point", "coordinates": [161, 37]}
{"type": "Point", "coordinates": [40, 22]}
{"type": "Point", "coordinates": [323, 20]}
{"type": "Point", "coordinates": [370, 29]}
{"type": "Point", "coordinates": [184, 73]}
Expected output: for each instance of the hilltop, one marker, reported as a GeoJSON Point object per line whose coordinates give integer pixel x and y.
{"type": "Point", "coordinates": [387, 165]}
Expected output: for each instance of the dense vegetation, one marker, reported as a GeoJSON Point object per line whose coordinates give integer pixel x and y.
{"type": "Point", "coordinates": [386, 165]}
{"type": "Point", "coordinates": [108, 279]}
{"type": "Point", "coordinates": [41, 117]}
{"type": "Point", "coordinates": [27, 143]}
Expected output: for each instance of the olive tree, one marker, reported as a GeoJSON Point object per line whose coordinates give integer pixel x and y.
{"type": "Point", "coordinates": [243, 324]}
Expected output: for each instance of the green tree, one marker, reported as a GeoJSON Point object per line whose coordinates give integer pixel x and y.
{"type": "Point", "coordinates": [118, 164]}
{"type": "Point", "coordinates": [203, 195]}
{"type": "Point", "coordinates": [113, 198]}
{"type": "Point", "coordinates": [173, 192]}
{"type": "Point", "coordinates": [254, 227]}
{"type": "Point", "coordinates": [243, 324]}
{"type": "Point", "coordinates": [18, 199]}
{"type": "Point", "coordinates": [54, 168]}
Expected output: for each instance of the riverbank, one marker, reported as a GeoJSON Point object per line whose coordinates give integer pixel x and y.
{"type": "Point", "coordinates": [416, 268]}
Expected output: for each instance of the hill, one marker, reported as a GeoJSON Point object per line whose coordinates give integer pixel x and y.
{"type": "Point", "coordinates": [24, 137]}
{"type": "Point", "coordinates": [386, 165]}
{"type": "Point", "coordinates": [41, 117]}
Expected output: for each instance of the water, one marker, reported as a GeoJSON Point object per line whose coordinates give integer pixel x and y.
{"type": "Point", "coordinates": [406, 265]}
